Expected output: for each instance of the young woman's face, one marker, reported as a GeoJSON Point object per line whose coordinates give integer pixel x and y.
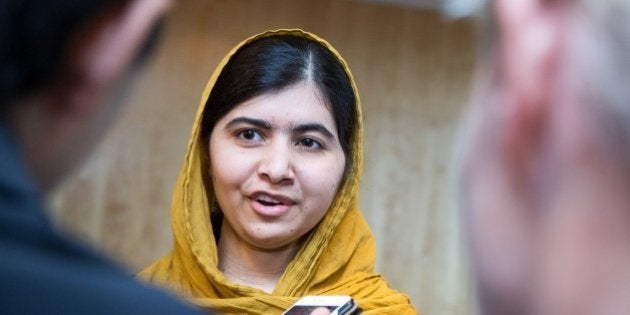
{"type": "Point", "coordinates": [276, 163]}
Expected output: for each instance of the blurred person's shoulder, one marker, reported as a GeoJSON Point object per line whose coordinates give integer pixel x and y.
{"type": "Point", "coordinates": [45, 273]}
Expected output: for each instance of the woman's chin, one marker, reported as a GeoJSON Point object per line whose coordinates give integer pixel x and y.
{"type": "Point", "coordinates": [273, 242]}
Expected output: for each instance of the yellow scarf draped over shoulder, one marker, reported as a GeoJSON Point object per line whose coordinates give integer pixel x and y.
{"type": "Point", "coordinates": [336, 258]}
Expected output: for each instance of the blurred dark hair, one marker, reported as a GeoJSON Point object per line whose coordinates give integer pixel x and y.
{"type": "Point", "coordinates": [275, 62]}
{"type": "Point", "coordinates": [33, 37]}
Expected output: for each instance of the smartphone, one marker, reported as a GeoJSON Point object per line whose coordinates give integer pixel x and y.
{"type": "Point", "coordinates": [334, 304]}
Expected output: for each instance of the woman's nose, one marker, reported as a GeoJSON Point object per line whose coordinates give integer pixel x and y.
{"type": "Point", "coordinates": [277, 164]}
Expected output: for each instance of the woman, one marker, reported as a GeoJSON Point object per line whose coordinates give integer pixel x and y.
{"type": "Point", "coordinates": [265, 206]}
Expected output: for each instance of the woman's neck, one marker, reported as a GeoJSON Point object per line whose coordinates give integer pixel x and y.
{"type": "Point", "coordinates": [256, 267]}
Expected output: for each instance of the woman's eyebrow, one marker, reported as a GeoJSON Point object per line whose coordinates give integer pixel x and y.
{"type": "Point", "coordinates": [314, 127]}
{"type": "Point", "coordinates": [260, 123]}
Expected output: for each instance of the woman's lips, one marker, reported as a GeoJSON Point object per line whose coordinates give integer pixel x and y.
{"type": "Point", "coordinates": [270, 205]}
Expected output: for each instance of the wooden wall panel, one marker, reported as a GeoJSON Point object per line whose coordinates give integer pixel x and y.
{"type": "Point", "coordinates": [412, 69]}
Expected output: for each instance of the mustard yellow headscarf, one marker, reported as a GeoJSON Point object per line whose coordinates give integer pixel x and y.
{"type": "Point", "coordinates": [336, 258]}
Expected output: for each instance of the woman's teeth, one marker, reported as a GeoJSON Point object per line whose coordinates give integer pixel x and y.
{"type": "Point", "coordinates": [267, 201]}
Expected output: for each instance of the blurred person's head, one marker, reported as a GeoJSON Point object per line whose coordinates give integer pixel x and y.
{"type": "Point", "coordinates": [544, 161]}
{"type": "Point", "coordinates": [63, 69]}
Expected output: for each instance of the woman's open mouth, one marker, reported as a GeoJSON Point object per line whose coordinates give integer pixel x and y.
{"type": "Point", "coordinates": [270, 205]}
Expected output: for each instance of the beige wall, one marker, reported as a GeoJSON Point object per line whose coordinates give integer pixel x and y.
{"type": "Point", "coordinates": [412, 70]}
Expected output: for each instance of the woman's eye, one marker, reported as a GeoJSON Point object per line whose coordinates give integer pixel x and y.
{"type": "Point", "coordinates": [310, 143]}
{"type": "Point", "coordinates": [250, 135]}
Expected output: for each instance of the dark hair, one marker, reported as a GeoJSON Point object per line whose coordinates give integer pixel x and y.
{"type": "Point", "coordinates": [33, 37]}
{"type": "Point", "coordinates": [276, 62]}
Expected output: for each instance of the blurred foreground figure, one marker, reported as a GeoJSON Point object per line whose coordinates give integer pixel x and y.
{"type": "Point", "coordinates": [544, 172]}
{"type": "Point", "coordinates": [63, 66]}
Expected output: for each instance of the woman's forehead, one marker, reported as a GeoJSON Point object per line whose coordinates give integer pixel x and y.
{"type": "Point", "coordinates": [295, 104]}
